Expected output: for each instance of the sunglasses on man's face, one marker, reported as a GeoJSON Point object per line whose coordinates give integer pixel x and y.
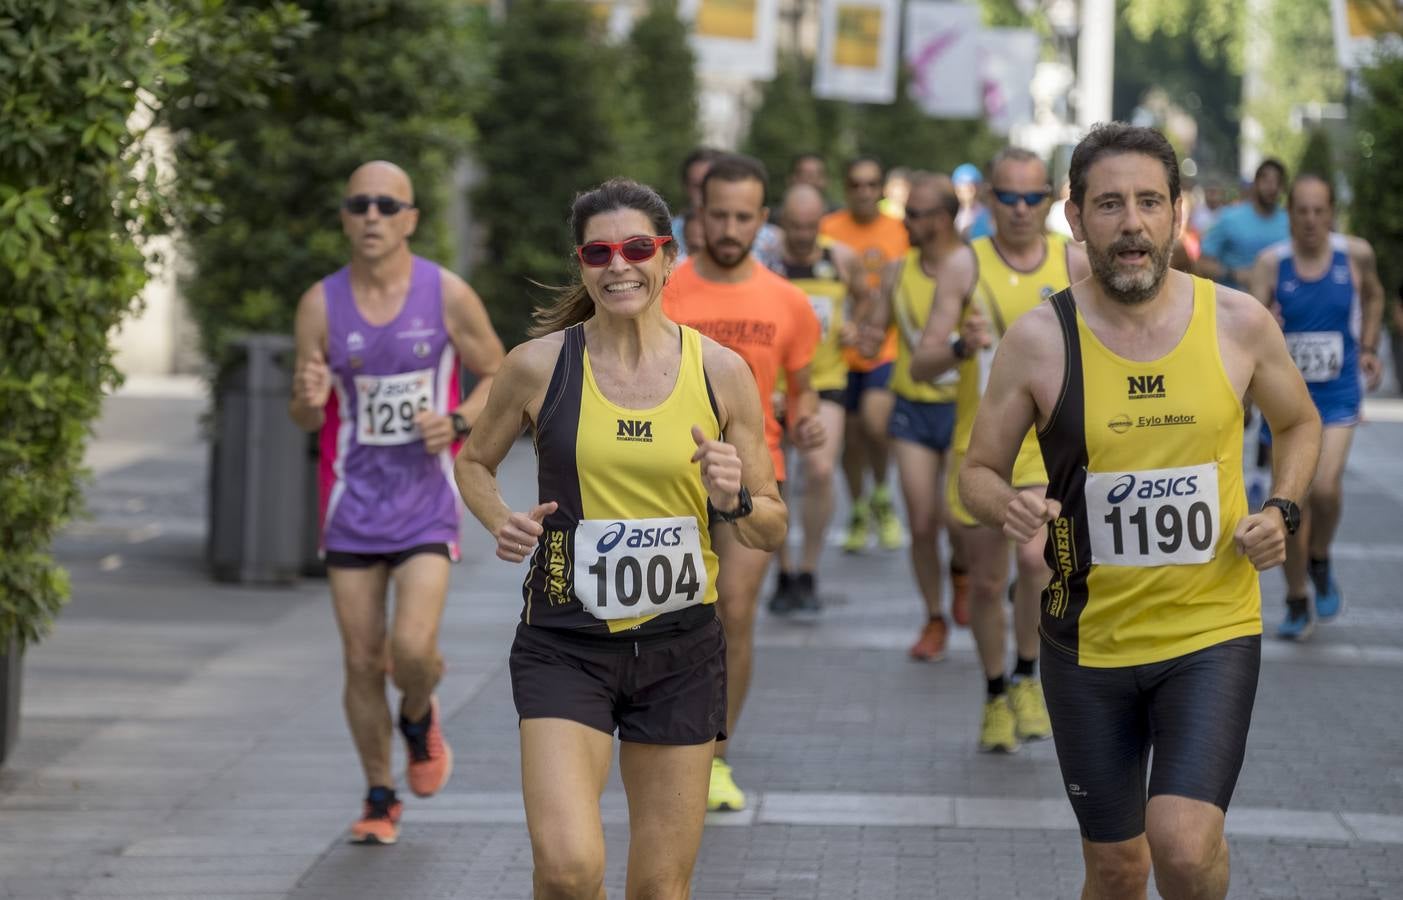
{"type": "Point", "coordinates": [858, 185]}
{"type": "Point", "coordinates": [1011, 198]}
{"type": "Point", "coordinates": [916, 215]}
{"type": "Point", "coordinates": [598, 254]}
{"type": "Point", "coordinates": [359, 205]}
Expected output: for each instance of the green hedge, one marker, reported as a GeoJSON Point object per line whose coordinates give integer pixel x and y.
{"type": "Point", "coordinates": [77, 201]}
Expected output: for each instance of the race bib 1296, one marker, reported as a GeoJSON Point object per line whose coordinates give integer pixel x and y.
{"type": "Point", "coordinates": [1154, 517]}
{"type": "Point", "coordinates": [1318, 354]}
{"type": "Point", "coordinates": [639, 567]}
{"type": "Point", "coordinates": [387, 404]}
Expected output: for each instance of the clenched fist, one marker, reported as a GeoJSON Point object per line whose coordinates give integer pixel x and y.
{"type": "Point", "coordinates": [311, 383]}
{"type": "Point", "coordinates": [720, 470]}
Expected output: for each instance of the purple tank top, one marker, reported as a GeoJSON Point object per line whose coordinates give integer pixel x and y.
{"type": "Point", "coordinates": [381, 492]}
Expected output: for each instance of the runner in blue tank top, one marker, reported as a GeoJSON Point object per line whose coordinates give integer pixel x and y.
{"type": "Point", "coordinates": [1324, 288]}
{"type": "Point", "coordinates": [379, 347]}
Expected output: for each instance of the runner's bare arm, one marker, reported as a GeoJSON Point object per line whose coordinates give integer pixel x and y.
{"type": "Point", "coordinates": [1371, 308]}
{"type": "Point", "coordinates": [1277, 389]}
{"type": "Point", "coordinates": [311, 380]}
{"type": "Point", "coordinates": [1262, 285]}
{"type": "Point", "coordinates": [873, 331]}
{"type": "Point", "coordinates": [954, 280]}
{"type": "Point", "coordinates": [743, 429]}
{"type": "Point", "coordinates": [1029, 354]}
{"type": "Point", "coordinates": [805, 428]}
{"type": "Point", "coordinates": [477, 343]}
{"type": "Point", "coordinates": [513, 403]}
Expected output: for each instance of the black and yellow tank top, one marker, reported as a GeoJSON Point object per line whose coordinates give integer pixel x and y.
{"type": "Point", "coordinates": [628, 550]}
{"type": "Point", "coordinates": [913, 294]}
{"type": "Point", "coordinates": [828, 295]}
{"type": "Point", "coordinates": [1146, 459]}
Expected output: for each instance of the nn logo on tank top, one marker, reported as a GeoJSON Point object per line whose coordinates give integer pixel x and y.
{"type": "Point", "coordinates": [640, 430]}
{"type": "Point", "coordinates": [1146, 387]}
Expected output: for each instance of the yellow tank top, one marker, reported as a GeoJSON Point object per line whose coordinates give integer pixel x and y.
{"type": "Point", "coordinates": [1003, 293]}
{"type": "Point", "coordinates": [1146, 459]}
{"type": "Point", "coordinates": [828, 295]}
{"type": "Point", "coordinates": [912, 296]}
{"type": "Point", "coordinates": [629, 548]}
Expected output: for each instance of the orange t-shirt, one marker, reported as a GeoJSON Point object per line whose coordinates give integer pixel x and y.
{"type": "Point", "coordinates": [876, 243]}
{"type": "Point", "coordinates": [765, 319]}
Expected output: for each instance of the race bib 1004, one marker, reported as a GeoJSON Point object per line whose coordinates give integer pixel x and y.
{"type": "Point", "coordinates": [1155, 517]}
{"type": "Point", "coordinates": [387, 404]}
{"type": "Point", "coordinates": [1318, 354]}
{"type": "Point", "coordinates": [639, 567]}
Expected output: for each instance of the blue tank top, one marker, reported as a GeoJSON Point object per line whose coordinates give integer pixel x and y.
{"type": "Point", "coordinates": [381, 492]}
{"type": "Point", "coordinates": [1321, 321]}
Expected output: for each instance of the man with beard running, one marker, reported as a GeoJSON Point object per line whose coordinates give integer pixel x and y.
{"type": "Point", "coordinates": [1324, 289]}
{"type": "Point", "coordinates": [1151, 625]}
{"type": "Point", "coordinates": [923, 422]}
{"type": "Point", "coordinates": [829, 274]}
{"type": "Point", "coordinates": [723, 292]}
{"type": "Point", "coordinates": [983, 289]}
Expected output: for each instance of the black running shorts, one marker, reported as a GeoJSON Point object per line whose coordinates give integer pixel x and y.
{"type": "Point", "coordinates": [343, 559]}
{"type": "Point", "coordinates": [1194, 711]}
{"type": "Point", "coordinates": [667, 690]}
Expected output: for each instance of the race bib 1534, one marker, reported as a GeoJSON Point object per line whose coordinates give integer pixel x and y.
{"type": "Point", "coordinates": [1154, 517]}
{"type": "Point", "coordinates": [1318, 354]}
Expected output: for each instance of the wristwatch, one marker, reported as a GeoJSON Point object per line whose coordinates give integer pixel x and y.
{"type": "Point", "coordinates": [960, 347]}
{"type": "Point", "coordinates": [461, 428]}
{"type": "Point", "coordinates": [1290, 512]}
{"type": "Point", "coordinates": [743, 508]}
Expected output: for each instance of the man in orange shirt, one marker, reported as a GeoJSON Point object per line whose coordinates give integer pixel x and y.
{"type": "Point", "coordinates": [878, 239]}
{"type": "Point", "coordinates": [724, 293]}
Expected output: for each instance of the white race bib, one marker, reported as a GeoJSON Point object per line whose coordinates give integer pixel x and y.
{"type": "Point", "coordinates": [823, 308]}
{"type": "Point", "coordinates": [1155, 517]}
{"type": "Point", "coordinates": [387, 404]}
{"type": "Point", "coordinates": [639, 567]}
{"type": "Point", "coordinates": [1319, 355]}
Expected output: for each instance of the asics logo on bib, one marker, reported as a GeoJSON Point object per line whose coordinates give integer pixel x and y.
{"type": "Point", "coordinates": [1152, 488]}
{"type": "Point", "coordinates": [638, 538]}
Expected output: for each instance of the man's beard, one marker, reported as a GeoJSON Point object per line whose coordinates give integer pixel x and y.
{"type": "Point", "coordinates": [1134, 287]}
{"type": "Point", "coordinates": [725, 263]}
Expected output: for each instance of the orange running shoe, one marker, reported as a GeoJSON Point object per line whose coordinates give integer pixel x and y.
{"type": "Point", "coordinates": [930, 646]}
{"type": "Point", "coordinates": [959, 597]}
{"type": "Point", "coordinates": [430, 757]}
{"type": "Point", "coordinates": [379, 821]}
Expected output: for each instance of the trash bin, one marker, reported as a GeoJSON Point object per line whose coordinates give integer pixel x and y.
{"type": "Point", "coordinates": [258, 471]}
{"type": "Point", "coordinates": [11, 658]}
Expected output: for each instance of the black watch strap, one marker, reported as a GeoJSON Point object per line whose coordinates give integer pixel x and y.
{"type": "Point", "coordinates": [461, 428]}
{"type": "Point", "coordinates": [1290, 512]}
{"type": "Point", "coordinates": [743, 507]}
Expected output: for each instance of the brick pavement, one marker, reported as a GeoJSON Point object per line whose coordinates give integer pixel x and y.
{"type": "Point", "coordinates": [184, 739]}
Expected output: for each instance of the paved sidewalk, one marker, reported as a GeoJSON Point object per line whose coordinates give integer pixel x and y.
{"type": "Point", "coordinates": [183, 738]}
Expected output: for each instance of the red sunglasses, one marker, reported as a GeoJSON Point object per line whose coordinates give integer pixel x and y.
{"type": "Point", "coordinates": [598, 254]}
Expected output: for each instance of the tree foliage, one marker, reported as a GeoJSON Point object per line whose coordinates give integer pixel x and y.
{"type": "Point", "coordinates": [550, 127]}
{"type": "Point", "coordinates": [1377, 213]}
{"type": "Point", "coordinates": [376, 80]}
{"type": "Point", "coordinates": [661, 68]}
{"type": "Point", "coordinates": [82, 82]}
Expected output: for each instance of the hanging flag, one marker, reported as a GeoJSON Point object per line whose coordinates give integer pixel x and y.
{"type": "Point", "coordinates": [942, 58]}
{"type": "Point", "coordinates": [1365, 29]}
{"type": "Point", "coordinates": [733, 37]}
{"type": "Point", "coordinates": [857, 56]}
{"type": "Point", "coordinates": [1008, 58]}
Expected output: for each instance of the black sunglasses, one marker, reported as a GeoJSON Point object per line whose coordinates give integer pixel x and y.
{"type": "Point", "coordinates": [1011, 198]}
{"type": "Point", "coordinates": [359, 205]}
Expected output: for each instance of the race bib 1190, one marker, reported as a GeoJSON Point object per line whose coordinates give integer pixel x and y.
{"type": "Point", "coordinates": [1154, 517]}
{"type": "Point", "coordinates": [387, 404]}
{"type": "Point", "coordinates": [639, 567]}
{"type": "Point", "coordinates": [1318, 354]}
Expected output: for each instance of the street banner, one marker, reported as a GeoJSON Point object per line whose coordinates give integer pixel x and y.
{"type": "Point", "coordinates": [942, 58]}
{"type": "Point", "coordinates": [733, 37]}
{"type": "Point", "coordinates": [1366, 28]}
{"type": "Point", "coordinates": [857, 50]}
{"type": "Point", "coordinates": [1008, 57]}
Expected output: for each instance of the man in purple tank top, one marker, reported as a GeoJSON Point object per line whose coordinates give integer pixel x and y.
{"type": "Point", "coordinates": [379, 347]}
